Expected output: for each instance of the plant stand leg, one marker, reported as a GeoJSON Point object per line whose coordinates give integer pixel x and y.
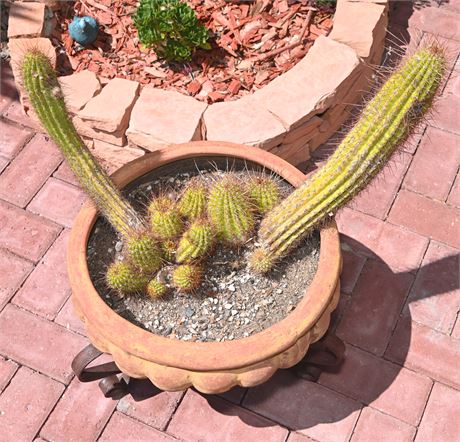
{"type": "Point", "coordinates": [325, 355]}
{"type": "Point", "coordinates": [112, 382]}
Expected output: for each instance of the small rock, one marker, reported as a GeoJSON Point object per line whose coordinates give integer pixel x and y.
{"type": "Point", "coordinates": [118, 246]}
{"type": "Point", "coordinates": [189, 312]}
{"type": "Point", "coordinates": [228, 306]}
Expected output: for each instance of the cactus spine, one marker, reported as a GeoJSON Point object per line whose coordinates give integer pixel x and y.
{"type": "Point", "coordinates": [192, 204]}
{"type": "Point", "coordinates": [47, 100]}
{"type": "Point", "coordinates": [145, 253]}
{"type": "Point", "coordinates": [187, 277]}
{"type": "Point", "coordinates": [385, 122]}
{"type": "Point", "coordinates": [230, 210]}
{"type": "Point", "coordinates": [124, 279]}
{"type": "Point", "coordinates": [195, 242]}
{"type": "Point", "coordinates": [264, 193]}
{"type": "Point", "coordinates": [165, 219]}
{"type": "Point", "coordinates": [156, 289]}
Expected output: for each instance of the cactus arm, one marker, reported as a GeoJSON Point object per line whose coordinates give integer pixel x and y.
{"type": "Point", "coordinates": [385, 122]}
{"type": "Point", "coordinates": [46, 97]}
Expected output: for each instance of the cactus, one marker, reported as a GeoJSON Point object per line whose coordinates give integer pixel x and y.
{"type": "Point", "coordinates": [264, 193]}
{"type": "Point", "coordinates": [230, 210]}
{"type": "Point", "coordinates": [187, 277]}
{"type": "Point", "coordinates": [156, 289]}
{"type": "Point", "coordinates": [169, 248]}
{"type": "Point", "coordinates": [195, 242]}
{"type": "Point", "coordinates": [145, 253]}
{"type": "Point", "coordinates": [385, 122]}
{"type": "Point", "coordinates": [192, 204]}
{"type": "Point", "coordinates": [47, 100]}
{"type": "Point", "coordinates": [165, 218]}
{"type": "Point", "coordinates": [123, 278]}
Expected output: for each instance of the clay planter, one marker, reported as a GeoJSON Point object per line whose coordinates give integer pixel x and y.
{"type": "Point", "coordinates": [211, 367]}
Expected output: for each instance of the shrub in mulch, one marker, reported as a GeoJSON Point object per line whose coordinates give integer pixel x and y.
{"type": "Point", "coordinates": [252, 42]}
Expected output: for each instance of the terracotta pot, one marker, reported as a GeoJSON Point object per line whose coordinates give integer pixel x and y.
{"type": "Point", "coordinates": [211, 367]}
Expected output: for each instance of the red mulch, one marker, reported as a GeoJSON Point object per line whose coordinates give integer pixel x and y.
{"type": "Point", "coordinates": [253, 42]}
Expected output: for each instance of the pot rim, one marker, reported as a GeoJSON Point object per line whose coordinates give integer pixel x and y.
{"type": "Point", "coordinates": [200, 356]}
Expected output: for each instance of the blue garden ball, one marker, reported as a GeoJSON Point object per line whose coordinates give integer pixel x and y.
{"type": "Point", "coordinates": [84, 30]}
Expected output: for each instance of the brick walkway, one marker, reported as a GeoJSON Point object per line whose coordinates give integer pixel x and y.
{"type": "Point", "coordinates": [398, 312]}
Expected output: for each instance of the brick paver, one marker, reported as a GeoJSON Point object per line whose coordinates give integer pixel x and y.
{"type": "Point", "coordinates": [24, 233]}
{"type": "Point", "coordinates": [26, 403]}
{"type": "Point", "coordinates": [27, 174]}
{"type": "Point", "coordinates": [374, 425]}
{"type": "Point", "coordinates": [48, 287]}
{"type": "Point", "coordinates": [382, 384]}
{"type": "Point", "coordinates": [80, 403]}
{"type": "Point", "coordinates": [214, 419]}
{"type": "Point", "coordinates": [58, 201]}
{"type": "Point", "coordinates": [398, 312]}
{"type": "Point", "coordinates": [13, 271]}
{"type": "Point", "coordinates": [38, 343]}
{"type": "Point", "coordinates": [12, 139]}
{"type": "Point", "coordinates": [440, 421]}
{"type": "Point", "coordinates": [377, 300]}
{"type": "Point", "coordinates": [309, 408]}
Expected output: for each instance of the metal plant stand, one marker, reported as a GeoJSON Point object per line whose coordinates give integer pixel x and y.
{"type": "Point", "coordinates": [325, 355]}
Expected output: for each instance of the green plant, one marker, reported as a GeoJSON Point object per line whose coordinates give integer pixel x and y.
{"type": "Point", "coordinates": [264, 193]}
{"type": "Point", "coordinates": [47, 100]}
{"type": "Point", "coordinates": [145, 253]}
{"type": "Point", "coordinates": [384, 123]}
{"type": "Point", "coordinates": [171, 28]}
{"type": "Point", "coordinates": [187, 277]}
{"type": "Point", "coordinates": [192, 204]}
{"type": "Point", "coordinates": [156, 289]}
{"type": "Point", "coordinates": [195, 242]}
{"type": "Point", "coordinates": [169, 248]}
{"type": "Point", "coordinates": [125, 279]}
{"type": "Point", "coordinates": [165, 219]}
{"type": "Point", "coordinates": [230, 210]}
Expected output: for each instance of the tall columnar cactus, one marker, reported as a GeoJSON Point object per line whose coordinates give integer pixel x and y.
{"type": "Point", "coordinates": [192, 204]}
{"type": "Point", "coordinates": [385, 122]}
{"type": "Point", "coordinates": [230, 210]}
{"type": "Point", "coordinates": [195, 242]}
{"type": "Point", "coordinates": [47, 100]}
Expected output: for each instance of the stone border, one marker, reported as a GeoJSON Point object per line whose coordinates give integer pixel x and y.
{"type": "Point", "coordinates": [291, 116]}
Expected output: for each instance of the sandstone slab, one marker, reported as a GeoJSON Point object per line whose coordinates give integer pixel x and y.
{"type": "Point", "coordinates": [79, 88]}
{"type": "Point", "coordinates": [84, 129]}
{"type": "Point", "coordinates": [110, 110]}
{"type": "Point", "coordinates": [369, 26]}
{"type": "Point", "coordinates": [162, 117]}
{"type": "Point", "coordinates": [312, 85]}
{"type": "Point", "coordinates": [112, 157]}
{"type": "Point", "coordinates": [243, 121]}
{"type": "Point", "coordinates": [26, 19]}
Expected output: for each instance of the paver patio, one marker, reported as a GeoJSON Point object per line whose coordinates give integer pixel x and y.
{"type": "Point", "coordinates": [398, 313]}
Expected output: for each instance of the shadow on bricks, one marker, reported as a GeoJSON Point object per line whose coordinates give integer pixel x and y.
{"type": "Point", "coordinates": [294, 402]}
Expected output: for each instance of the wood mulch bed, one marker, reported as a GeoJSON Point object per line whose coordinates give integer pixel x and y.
{"type": "Point", "coordinates": [253, 42]}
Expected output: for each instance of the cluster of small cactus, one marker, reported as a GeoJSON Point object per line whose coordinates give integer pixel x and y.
{"type": "Point", "coordinates": [180, 232]}
{"type": "Point", "coordinates": [183, 232]}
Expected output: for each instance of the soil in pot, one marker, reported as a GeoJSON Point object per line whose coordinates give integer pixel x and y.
{"type": "Point", "coordinates": [252, 42]}
{"type": "Point", "coordinates": [231, 302]}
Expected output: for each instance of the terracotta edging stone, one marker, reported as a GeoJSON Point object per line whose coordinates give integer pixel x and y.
{"type": "Point", "coordinates": [211, 367]}
{"type": "Point", "coordinates": [291, 116]}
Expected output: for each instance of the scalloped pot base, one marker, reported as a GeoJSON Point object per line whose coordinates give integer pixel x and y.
{"type": "Point", "coordinates": [211, 367]}
{"type": "Point", "coordinates": [289, 117]}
